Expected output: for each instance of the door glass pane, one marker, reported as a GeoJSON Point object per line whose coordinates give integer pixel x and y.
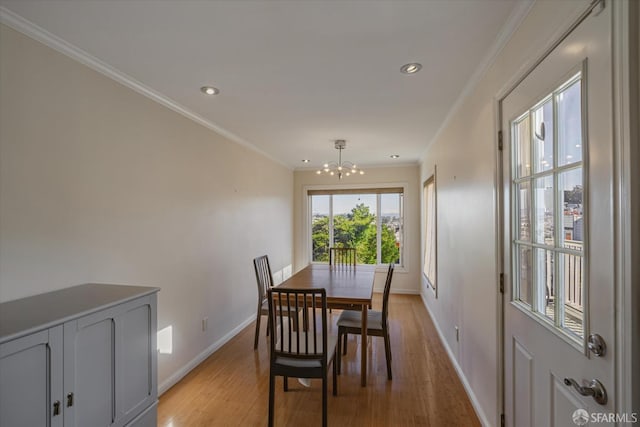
{"type": "Point", "coordinates": [572, 277]}
{"type": "Point", "coordinates": [320, 228]}
{"type": "Point", "coordinates": [548, 208]}
{"type": "Point", "coordinates": [544, 218]}
{"type": "Point", "coordinates": [390, 223]}
{"type": "Point", "coordinates": [523, 210]}
{"type": "Point", "coordinates": [569, 125]}
{"type": "Point", "coordinates": [543, 137]}
{"type": "Point", "coordinates": [522, 143]}
{"type": "Point", "coordinates": [544, 282]}
{"type": "Point", "coordinates": [525, 274]}
{"type": "Point", "coordinates": [570, 187]}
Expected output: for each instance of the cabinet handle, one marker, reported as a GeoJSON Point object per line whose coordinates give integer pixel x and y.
{"type": "Point", "coordinates": [56, 408]}
{"type": "Point", "coordinates": [69, 400]}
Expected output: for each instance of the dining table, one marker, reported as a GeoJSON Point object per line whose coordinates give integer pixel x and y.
{"type": "Point", "coordinates": [346, 288]}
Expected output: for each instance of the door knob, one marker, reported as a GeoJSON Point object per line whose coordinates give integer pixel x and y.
{"type": "Point", "coordinates": [596, 345]}
{"type": "Point", "coordinates": [595, 389]}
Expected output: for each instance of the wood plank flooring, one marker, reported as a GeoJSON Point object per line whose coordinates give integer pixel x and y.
{"type": "Point", "coordinates": [231, 387]}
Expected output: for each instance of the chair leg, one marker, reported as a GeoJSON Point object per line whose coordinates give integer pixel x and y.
{"type": "Point", "coordinates": [339, 351]}
{"type": "Point", "coordinates": [335, 376]}
{"type": "Point", "coordinates": [324, 399]}
{"type": "Point", "coordinates": [257, 338]}
{"type": "Point", "coordinates": [387, 348]}
{"type": "Point", "coordinates": [272, 390]}
{"type": "Point", "coordinates": [344, 343]}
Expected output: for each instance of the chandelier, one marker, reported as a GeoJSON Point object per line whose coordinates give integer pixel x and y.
{"type": "Point", "coordinates": [340, 168]}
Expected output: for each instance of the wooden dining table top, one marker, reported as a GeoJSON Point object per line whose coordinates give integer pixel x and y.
{"type": "Point", "coordinates": [342, 285]}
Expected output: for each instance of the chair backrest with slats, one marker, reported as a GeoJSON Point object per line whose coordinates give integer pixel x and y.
{"type": "Point", "coordinates": [385, 295]}
{"type": "Point", "coordinates": [291, 340]}
{"type": "Point", "coordinates": [263, 276]}
{"type": "Point", "coordinates": [342, 257]}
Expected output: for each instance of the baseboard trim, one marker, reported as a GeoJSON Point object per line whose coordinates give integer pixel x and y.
{"type": "Point", "coordinates": [474, 401]}
{"type": "Point", "coordinates": [182, 372]}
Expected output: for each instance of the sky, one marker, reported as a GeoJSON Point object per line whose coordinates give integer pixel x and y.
{"type": "Point", "coordinates": [343, 203]}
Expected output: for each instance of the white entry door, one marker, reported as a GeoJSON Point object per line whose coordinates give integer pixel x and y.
{"type": "Point", "coordinates": [559, 234]}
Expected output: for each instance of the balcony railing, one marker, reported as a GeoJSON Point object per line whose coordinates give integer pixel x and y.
{"type": "Point", "coordinates": [572, 278]}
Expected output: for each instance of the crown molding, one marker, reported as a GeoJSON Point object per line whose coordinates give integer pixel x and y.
{"type": "Point", "coordinates": [518, 14]}
{"type": "Point", "coordinates": [31, 30]}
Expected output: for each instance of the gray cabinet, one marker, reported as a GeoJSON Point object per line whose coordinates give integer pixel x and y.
{"type": "Point", "coordinates": [82, 356]}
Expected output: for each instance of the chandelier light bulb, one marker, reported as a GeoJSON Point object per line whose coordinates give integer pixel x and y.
{"type": "Point", "coordinates": [340, 168]}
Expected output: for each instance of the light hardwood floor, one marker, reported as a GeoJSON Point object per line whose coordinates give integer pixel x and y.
{"type": "Point", "coordinates": [231, 387]}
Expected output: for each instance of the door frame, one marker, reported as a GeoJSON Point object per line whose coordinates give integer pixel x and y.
{"type": "Point", "coordinates": [626, 104]}
{"type": "Point", "coordinates": [626, 134]}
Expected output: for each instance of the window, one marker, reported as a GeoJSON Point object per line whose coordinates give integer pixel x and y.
{"type": "Point", "coordinates": [547, 186]}
{"type": "Point", "coordinates": [370, 220]}
{"type": "Point", "coordinates": [429, 220]}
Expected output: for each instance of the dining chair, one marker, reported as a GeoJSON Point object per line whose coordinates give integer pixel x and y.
{"type": "Point", "coordinates": [300, 352]}
{"type": "Point", "coordinates": [350, 322]}
{"type": "Point", "coordinates": [264, 279]}
{"type": "Point", "coordinates": [342, 257]}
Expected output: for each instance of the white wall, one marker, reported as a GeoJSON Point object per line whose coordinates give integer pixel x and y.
{"type": "Point", "coordinates": [100, 184]}
{"type": "Point", "coordinates": [465, 155]}
{"type": "Point", "coordinates": [406, 279]}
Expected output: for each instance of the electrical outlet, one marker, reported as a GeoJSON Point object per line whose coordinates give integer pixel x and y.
{"type": "Point", "coordinates": [457, 334]}
{"type": "Point", "coordinates": [205, 323]}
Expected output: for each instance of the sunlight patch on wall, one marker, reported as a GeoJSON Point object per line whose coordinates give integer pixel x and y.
{"type": "Point", "coordinates": [165, 340]}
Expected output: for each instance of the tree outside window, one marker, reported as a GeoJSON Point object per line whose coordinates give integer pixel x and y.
{"type": "Point", "coordinates": [352, 220]}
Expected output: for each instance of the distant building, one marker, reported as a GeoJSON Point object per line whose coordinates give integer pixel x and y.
{"type": "Point", "coordinates": [573, 227]}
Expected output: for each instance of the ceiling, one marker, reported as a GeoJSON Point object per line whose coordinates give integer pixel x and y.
{"type": "Point", "coordinates": [293, 75]}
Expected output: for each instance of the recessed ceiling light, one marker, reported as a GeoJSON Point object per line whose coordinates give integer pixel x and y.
{"type": "Point", "coordinates": [305, 160]}
{"type": "Point", "coordinates": [411, 68]}
{"type": "Point", "coordinates": [210, 90]}
{"type": "Point", "coordinates": [394, 156]}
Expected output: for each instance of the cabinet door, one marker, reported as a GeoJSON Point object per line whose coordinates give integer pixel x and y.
{"type": "Point", "coordinates": [110, 364]}
{"type": "Point", "coordinates": [136, 356]}
{"type": "Point", "coordinates": [31, 380]}
{"type": "Point", "coordinates": [89, 372]}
